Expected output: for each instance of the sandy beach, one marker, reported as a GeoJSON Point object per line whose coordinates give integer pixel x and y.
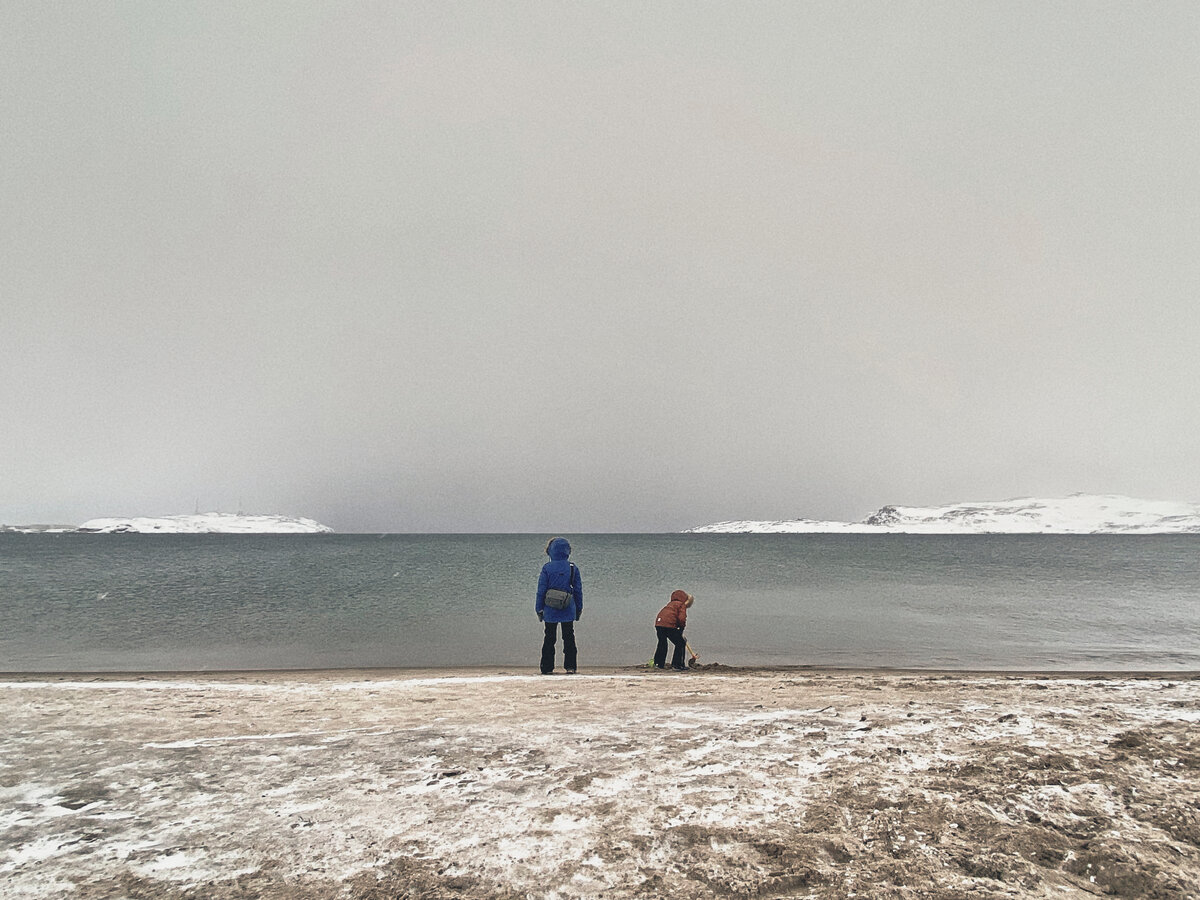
{"type": "Point", "coordinates": [615, 783]}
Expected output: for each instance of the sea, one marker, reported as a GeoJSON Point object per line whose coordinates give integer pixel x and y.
{"type": "Point", "coordinates": [156, 603]}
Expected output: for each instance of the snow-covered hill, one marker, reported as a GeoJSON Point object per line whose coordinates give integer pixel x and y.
{"type": "Point", "coordinates": [1076, 514]}
{"type": "Point", "coordinates": [206, 523]}
{"type": "Point", "coordinates": [36, 529]}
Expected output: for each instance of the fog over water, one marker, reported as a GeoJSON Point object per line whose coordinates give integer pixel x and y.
{"type": "Point", "coordinates": [594, 267]}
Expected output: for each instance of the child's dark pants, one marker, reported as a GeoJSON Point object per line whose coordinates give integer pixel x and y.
{"type": "Point", "coordinates": [675, 636]}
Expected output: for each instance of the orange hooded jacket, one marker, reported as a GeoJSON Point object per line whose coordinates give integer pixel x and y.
{"type": "Point", "coordinates": [674, 614]}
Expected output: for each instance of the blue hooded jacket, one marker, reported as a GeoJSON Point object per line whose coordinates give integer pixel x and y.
{"type": "Point", "coordinates": [555, 574]}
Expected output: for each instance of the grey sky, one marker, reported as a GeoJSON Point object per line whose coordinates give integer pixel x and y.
{"type": "Point", "coordinates": [594, 266]}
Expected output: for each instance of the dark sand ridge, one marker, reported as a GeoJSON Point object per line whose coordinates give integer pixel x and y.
{"type": "Point", "coordinates": [617, 783]}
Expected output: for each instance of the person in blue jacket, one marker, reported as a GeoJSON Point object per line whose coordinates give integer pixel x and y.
{"type": "Point", "coordinates": [559, 577]}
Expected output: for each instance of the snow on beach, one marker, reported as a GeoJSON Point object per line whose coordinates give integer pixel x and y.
{"type": "Point", "coordinates": [614, 784]}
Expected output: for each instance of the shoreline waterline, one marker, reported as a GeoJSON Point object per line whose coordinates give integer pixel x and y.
{"type": "Point", "coordinates": [404, 673]}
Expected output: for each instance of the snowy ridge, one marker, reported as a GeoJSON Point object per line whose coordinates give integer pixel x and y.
{"type": "Point", "coordinates": [1076, 514]}
{"type": "Point", "coordinates": [36, 529]}
{"type": "Point", "coordinates": [205, 523]}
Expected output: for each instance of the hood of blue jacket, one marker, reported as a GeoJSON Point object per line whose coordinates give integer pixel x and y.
{"type": "Point", "coordinates": [559, 549]}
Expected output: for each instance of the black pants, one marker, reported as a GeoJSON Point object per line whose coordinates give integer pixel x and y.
{"type": "Point", "coordinates": [569, 650]}
{"type": "Point", "coordinates": [675, 636]}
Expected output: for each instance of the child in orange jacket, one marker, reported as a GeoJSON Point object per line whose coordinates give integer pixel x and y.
{"type": "Point", "coordinates": [669, 624]}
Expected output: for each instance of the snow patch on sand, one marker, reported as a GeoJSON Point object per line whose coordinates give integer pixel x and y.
{"type": "Point", "coordinates": [734, 785]}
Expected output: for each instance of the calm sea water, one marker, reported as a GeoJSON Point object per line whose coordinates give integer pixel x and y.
{"type": "Point", "coordinates": [195, 602]}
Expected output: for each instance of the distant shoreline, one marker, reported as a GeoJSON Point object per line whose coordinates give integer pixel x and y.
{"type": "Point", "coordinates": [199, 523]}
{"type": "Point", "coordinates": [394, 673]}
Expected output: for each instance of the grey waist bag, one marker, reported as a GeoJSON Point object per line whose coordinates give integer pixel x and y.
{"type": "Point", "coordinates": [556, 599]}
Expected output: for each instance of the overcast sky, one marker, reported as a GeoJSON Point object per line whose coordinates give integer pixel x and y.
{"type": "Point", "coordinates": [594, 266]}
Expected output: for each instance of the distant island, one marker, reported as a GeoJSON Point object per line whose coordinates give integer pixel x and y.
{"type": "Point", "coordinates": [1076, 514]}
{"type": "Point", "coordinates": [203, 523]}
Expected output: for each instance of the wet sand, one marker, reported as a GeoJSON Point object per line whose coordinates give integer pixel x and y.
{"type": "Point", "coordinates": [615, 783]}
